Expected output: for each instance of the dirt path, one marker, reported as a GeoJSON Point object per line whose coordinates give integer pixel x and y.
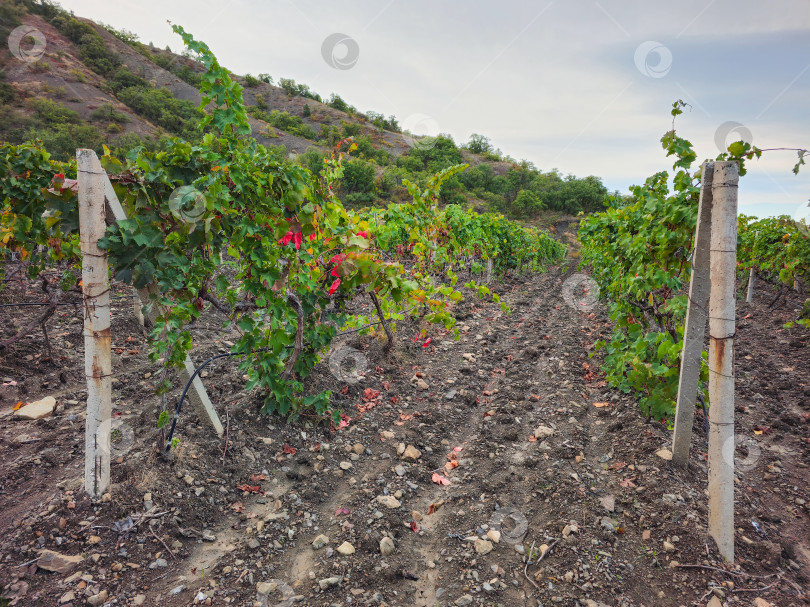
{"type": "Point", "coordinates": [558, 496]}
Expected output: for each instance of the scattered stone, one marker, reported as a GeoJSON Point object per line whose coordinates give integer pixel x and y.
{"type": "Point", "coordinates": [664, 454]}
{"type": "Point", "coordinates": [253, 543]}
{"type": "Point", "coordinates": [320, 541]}
{"type": "Point", "coordinates": [37, 410]}
{"type": "Point", "coordinates": [411, 453]}
{"type": "Point", "coordinates": [97, 599]}
{"type": "Point", "coordinates": [494, 535]}
{"type": "Point", "coordinates": [542, 432]}
{"type": "Point", "coordinates": [265, 588]}
{"type": "Point", "coordinates": [162, 563]}
{"type": "Point", "coordinates": [608, 502]}
{"type": "Point", "coordinates": [344, 465]}
{"type": "Point", "coordinates": [422, 384]}
{"type": "Point", "coordinates": [645, 535]}
{"type": "Point", "coordinates": [450, 395]}
{"type": "Point", "coordinates": [139, 600]}
{"type": "Point", "coordinates": [669, 547]}
{"type": "Point", "coordinates": [345, 549]}
{"type": "Point", "coordinates": [188, 479]}
{"type": "Point", "coordinates": [56, 562]}
{"type": "Point", "coordinates": [569, 576]}
{"type": "Point", "coordinates": [399, 469]}
{"type": "Point", "coordinates": [714, 602]}
{"type": "Point", "coordinates": [569, 529]}
{"type": "Point", "coordinates": [389, 501]}
{"type": "Point", "coordinates": [329, 582]}
{"type": "Point", "coordinates": [387, 546]}
{"type": "Point", "coordinates": [758, 602]}
{"type": "Point", "coordinates": [464, 600]}
{"type": "Point", "coordinates": [358, 448]}
{"type": "Point", "coordinates": [483, 547]}
{"type": "Point", "coordinates": [67, 597]}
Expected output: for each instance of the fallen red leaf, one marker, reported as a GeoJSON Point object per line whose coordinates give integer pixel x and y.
{"type": "Point", "coordinates": [340, 511]}
{"type": "Point", "coordinates": [237, 507]}
{"type": "Point", "coordinates": [249, 488]}
{"type": "Point", "coordinates": [440, 480]}
{"type": "Point", "coordinates": [290, 450]}
{"type": "Point", "coordinates": [255, 478]}
{"type": "Point", "coordinates": [370, 394]}
{"type": "Point", "coordinates": [415, 527]}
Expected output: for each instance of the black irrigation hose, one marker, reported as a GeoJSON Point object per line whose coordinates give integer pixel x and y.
{"type": "Point", "coordinates": [188, 385]}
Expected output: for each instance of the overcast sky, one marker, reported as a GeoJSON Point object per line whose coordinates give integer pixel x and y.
{"type": "Point", "coordinates": [577, 85]}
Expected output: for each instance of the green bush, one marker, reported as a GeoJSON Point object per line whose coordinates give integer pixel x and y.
{"type": "Point", "coordinates": [62, 140]}
{"type": "Point", "coordinates": [358, 176]}
{"type": "Point", "coordinates": [51, 113]}
{"type": "Point", "coordinates": [527, 203]}
{"type": "Point", "coordinates": [177, 116]}
{"type": "Point", "coordinates": [251, 81]}
{"type": "Point", "coordinates": [305, 111]}
{"type": "Point", "coordinates": [107, 113]}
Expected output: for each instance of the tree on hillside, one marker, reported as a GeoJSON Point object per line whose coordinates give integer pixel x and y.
{"type": "Point", "coordinates": [479, 144]}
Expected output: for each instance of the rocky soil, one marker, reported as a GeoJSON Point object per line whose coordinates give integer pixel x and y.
{"type": "Point", "coordinates": [499, 469]}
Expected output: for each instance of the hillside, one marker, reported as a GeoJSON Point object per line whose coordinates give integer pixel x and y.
{"type": "Point", "coordinates": [95, 86]}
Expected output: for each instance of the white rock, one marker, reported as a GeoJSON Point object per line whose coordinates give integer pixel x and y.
{"type": "Point", "coordinates": [320, 541]}
{"type": "Point", "coordinates": [37, 410]}
{"type": "Point", "coordinates": [411, 453]}
{"type": "Point", "coordinates": [664, 454]}
{"type": "Point", "coordinates": [494, 535]}
{"type": "Point", "coordinates": [387, 546]}
{"type": "Point", "coordinates": [483, 547]}
{"type": "Point", "coordinates": [345, 549]}
{"type": "Point", "coordinates": [389, 501]}
{"type": "Point", "coordinates": [542, 432]}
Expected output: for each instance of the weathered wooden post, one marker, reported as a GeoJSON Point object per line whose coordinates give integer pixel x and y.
{"type": "Point", "coordinates": [695, 329]}
{"type": "Point", "coordinates": [721, 356]}
{"type": "Point", "coordinates": [96, 296]}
